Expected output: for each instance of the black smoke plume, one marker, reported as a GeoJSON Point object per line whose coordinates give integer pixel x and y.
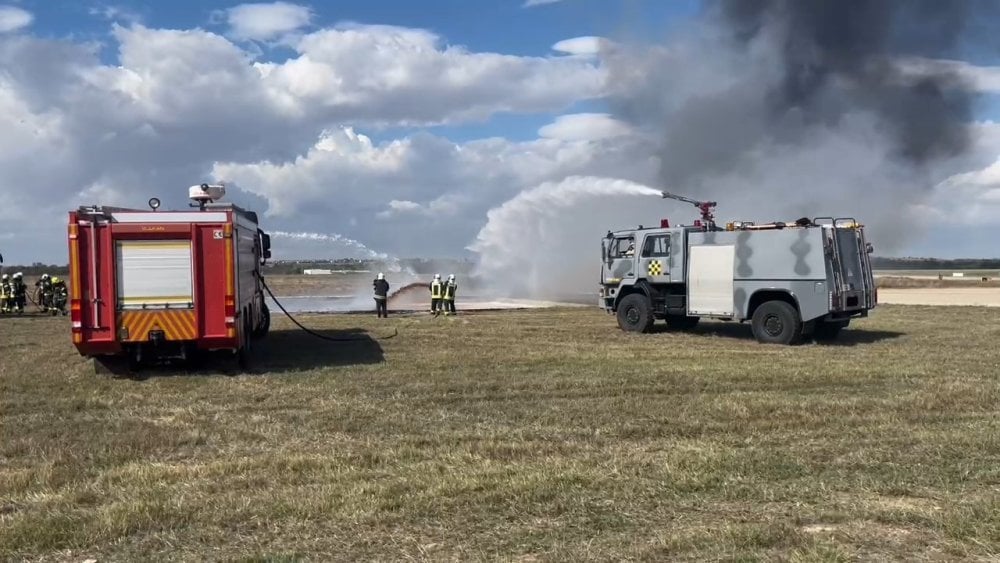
{"type": "Point", "coordinates": [838, 55]}
{"type": "Point", "coordinates": [806, 107]}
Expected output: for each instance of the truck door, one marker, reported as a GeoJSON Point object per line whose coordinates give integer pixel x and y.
{"type": "Point", "coordinates": [852, 284]}
{"type": "Point", "coordinates": [620, 259]}
{"type": "Point", "coordinates": [654, 261]}
{"type": "Point", "coordinates": [155, 289]}
{"type": "Point", "coordinates": [710, 280]}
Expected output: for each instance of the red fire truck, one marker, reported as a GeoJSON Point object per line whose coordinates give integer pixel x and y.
{"type": "Point", "coordinates": [161, 285]}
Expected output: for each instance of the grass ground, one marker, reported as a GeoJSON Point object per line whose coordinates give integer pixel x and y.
{"type": "Point", "coordinates": [534, 435]}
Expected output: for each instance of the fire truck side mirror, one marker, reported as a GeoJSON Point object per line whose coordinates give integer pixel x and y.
{"type": "Point", "coordinates": [265, 245]}
{"type": "Point", "coordinates": [869, 248]}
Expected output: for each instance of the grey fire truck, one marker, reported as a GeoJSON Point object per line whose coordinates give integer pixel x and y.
{"type": "Point", "coordinates": [793, 281]}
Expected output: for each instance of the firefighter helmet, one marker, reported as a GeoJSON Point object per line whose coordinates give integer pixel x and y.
{"type": "Point", "coordinates": [380, 276]}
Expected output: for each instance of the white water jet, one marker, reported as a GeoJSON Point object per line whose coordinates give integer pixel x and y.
{"type": "Point", "coordinates": [391, 263]}
{"type": "Point", "coordinates": [360, 291]}
{"type": "Point", "coordinates": [545, 242]}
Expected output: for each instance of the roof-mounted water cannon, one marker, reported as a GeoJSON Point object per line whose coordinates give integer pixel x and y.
{"type": "Point", "coordinates": [205, 194]}
{"type": "Point", "coordinates": [706, 208]}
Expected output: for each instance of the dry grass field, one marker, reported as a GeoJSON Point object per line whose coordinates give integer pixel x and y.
{"type": "Point", "coordinates": [528, 435]}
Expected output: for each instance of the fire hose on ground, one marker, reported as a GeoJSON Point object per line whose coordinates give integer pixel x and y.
{"type": "Point", "coordinates": [311, 332]}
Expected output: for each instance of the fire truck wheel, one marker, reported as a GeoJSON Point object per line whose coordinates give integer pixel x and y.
{"type": "Point", "coordinates": [776, 322]}
{"type": "Point", "coordinates": [244, 356]}
{"type": "Point", "coordinates": [635, 314]}
{"type": "Point", "coordinates": [265, 325]}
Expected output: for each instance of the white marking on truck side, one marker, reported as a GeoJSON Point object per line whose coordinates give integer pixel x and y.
{"type": "Point", "coordinates": [710, 280]}
{"type": "Point", "coordinates": [170, 217]}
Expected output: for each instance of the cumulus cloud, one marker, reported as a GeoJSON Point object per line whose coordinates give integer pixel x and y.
{"type": "Point", "coordinates": [13, 18]}
{"type": "Point", "coordinates": [984, 79]}
{"type": "Point", "coordinates": [585, 127]}
{"type": "Point", "coordinates": [174, 102]}
{"type": "Point", "coordinates": [116, 13]}
{"type": "Point", "coordinates": [582, 46]}
{"type": "Point", "coordinates": [988, 177]}
{"type": "Point", "coordinates": [422, 194]}
{"type": "Point", "coordinates": [266, 21]}
{"type": "Point", "coordinates": [409, 77]}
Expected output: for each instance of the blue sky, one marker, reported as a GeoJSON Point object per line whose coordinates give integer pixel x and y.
{"type": "Point", "coordinates": [505, 26]}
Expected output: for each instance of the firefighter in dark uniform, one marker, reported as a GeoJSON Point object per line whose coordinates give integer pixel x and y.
{"type": "Point", "coordinates": [448, 299]}
{"type": "Point", "coordinates": [20, 292]}
{"type": "Point", "coordinates": [381, 288]}
{"type": "Point", "coordinates": [437, 292]}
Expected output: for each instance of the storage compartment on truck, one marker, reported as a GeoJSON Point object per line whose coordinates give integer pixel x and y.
{"type": "Point", "coordinates": [154, 274]}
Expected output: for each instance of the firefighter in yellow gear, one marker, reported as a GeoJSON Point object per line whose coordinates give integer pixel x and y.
{"type": "Point", "coordinates": [448, 298]}
{"type": "Point", "coordinates": [43, 290]}
{"type": "Point", "coordinates": [437, 292]}
{"type": "Point", "coordinates": [59, 296]}
{"type": "Point", "coordinates": [6, 294]}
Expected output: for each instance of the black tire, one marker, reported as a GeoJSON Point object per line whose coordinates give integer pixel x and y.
{"type": "Point", "coordinates": [244, 356]}
{"type": "Point", "coordinates": [682, 322]}
{"type": "Point", "coordinates": [265, 324]}
{"type": "Point", "coordinates": [635, 313]}
{"type": "Point", "coordinates": [826, 331]}
{"type": "Point", "coordinates": [776, 322]}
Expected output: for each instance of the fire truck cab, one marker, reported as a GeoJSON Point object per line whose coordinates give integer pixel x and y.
{"type": "Point", "coordinates": [151, 285]}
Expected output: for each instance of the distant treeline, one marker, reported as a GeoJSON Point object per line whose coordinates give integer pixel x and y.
{"type": "Point", "coordinates": [935, 264]}
{"type": "Point", "coordinates": [37, 269]}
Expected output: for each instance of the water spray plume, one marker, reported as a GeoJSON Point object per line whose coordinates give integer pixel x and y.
{"type": "Point", "coordinates": [544, 242]}
{"type": "Point", "coordinates": [392, 263]}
